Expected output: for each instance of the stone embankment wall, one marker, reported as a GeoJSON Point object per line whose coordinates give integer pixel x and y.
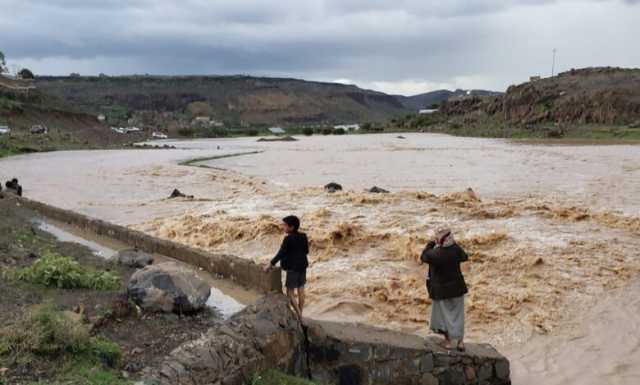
{"type": "Point", "coordinates": [267, 335]}
{"type": "Point", "coordinates": [349, 354]}
{"type": "Point", "coordinates": [242, 271]}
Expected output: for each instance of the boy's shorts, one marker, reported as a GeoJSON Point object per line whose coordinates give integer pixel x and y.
{"type": "Point", "coordinates": [296, 279]}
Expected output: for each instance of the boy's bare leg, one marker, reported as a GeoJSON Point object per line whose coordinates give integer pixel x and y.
{"type": "Point", "coordinates": [301, 300]}
{"type": "Point", "coordinates": [293, 301]}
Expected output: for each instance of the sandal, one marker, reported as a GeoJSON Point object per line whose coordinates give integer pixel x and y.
{"type": "Point", "coordinates": [446, 345]}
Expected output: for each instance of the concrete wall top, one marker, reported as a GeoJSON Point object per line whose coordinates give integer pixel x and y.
{"type": "Point", "coordinates": [239, 270]}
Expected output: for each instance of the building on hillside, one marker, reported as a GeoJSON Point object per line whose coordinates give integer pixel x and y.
{"type": "Point", "coordinates": [101, 118]}
{"type": "Point", "coordinates": [534, 78]}
{"type": "Point", "coordinates": [159, 135]}
{"type": "Point", "coordinates": [347, 127]}
{"type": "Point", "coordinates": [277, 130]}
{"type": "Point", "coordinates": [427, 111]}
{"type": "Point", "coordinates": [5, 130]}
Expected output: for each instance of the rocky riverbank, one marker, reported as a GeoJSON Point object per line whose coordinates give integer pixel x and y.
{"type": "Point", "coordinates": [50, 334]}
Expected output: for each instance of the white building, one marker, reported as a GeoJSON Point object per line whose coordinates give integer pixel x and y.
{"type": "Point", "coordinates": [5, 130]}
{"type": "Point", "coordinates": [159, 135]}
{"type": "Point", "coordinates": [276, 130]}
{"type": "Point", "coordinates": [102, 118]}
{"type": "Point", "coordinates": [347, 127]}
{"type": "Point", "coordinates": [427, 111]}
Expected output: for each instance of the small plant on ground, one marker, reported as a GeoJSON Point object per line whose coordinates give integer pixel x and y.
{"type": "Point", "coordinates": [274, 377]}
{"type": "Point", "coordinates": [54, 270]}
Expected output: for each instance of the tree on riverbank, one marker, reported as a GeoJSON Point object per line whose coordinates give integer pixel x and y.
{"type": "Point", "coordinates": [25, 73]}
{"type": "Point", "coordinates": [3, 63]}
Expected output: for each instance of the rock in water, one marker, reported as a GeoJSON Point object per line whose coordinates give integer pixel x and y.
{"type": "Point", "coordinates": [168, 287]}
{"type": "Point", "coordinates": [178, 194]}
{"type": "Point", "coordinates": [134, 258]}
{"type": "Point", "coordinates": [377, 190]}
{"type": "Point", "coordinates": [332, 187]}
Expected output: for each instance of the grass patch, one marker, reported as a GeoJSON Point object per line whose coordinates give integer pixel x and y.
{"type": "Point", "coordinates": [274, 377]}
{"type": "Point", "coordinates": [48, 337]}
{"type": "Point", "coordinates": [58, 271]}
{"type": "Point", "coordinates": [87, 373]}
{"type": "Point", "coordinates": [48, 333]}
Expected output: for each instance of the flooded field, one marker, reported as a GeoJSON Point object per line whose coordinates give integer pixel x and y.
{"type": "Point", "coordinates": [550, 230]}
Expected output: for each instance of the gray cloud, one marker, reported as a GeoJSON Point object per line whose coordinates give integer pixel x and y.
{"type": "Point", "coordinates": [401, 46]}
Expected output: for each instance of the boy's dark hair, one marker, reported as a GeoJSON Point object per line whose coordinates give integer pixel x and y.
{"type": "Point", "coordinates": [292, 221]}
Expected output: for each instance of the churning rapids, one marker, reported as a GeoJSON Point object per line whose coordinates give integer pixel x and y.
{"type": "Point", "coordinates": [553, 231]}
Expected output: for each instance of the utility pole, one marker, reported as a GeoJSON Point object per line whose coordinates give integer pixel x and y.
{"type": "Point", "coordinates": [553, 63]}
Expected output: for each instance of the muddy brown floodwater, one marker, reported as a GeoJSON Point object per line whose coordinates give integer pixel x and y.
{"type": "Point", "coordinates": [553, 231]}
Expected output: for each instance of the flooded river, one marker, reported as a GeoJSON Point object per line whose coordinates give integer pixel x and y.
{"type": "Point", "coordinates": [551, 230]}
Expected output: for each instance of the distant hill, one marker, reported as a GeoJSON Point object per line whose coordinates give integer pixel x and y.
{"type": "Point", "coordinates": [421, 101]}
{"type": "Point", "coordinates": [235, 99]}
{"type": "Point", "coordinates": [22, 106]}
{"type": "Point", "coordinates": [604, 95]}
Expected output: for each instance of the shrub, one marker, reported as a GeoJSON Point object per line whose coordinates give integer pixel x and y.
{"type": "Point", "coordinates": [339, 131]}
{"type": "Point", "coordinates": [25, 73]}
{"type": "Point", "coordinates": [48, 333]}
{"type": "Point", "coordinates": [308, 131]}
{"type": "Point", "coordinates": [54, 270]}
{"type": "Point", "coordinates": [252, 132]}
{"type": "Point", "coordinates": [213, 132]}
{"type": "Point", "coordinates": [327, 131]}
{"type": "Point", "coordinates": [186, 131]}
{"type": "Point", "coordinates": [105, 351]}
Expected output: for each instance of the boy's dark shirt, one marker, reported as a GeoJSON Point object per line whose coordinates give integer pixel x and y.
{"type": "Point", "coordinates": [293, 252]}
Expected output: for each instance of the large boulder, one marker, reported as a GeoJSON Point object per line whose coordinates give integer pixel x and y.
{"type": "Point", "coordinates": [168, 287]}
{"type": "Point", "coordinates": [262, 336]}
{"type": "Point", "coordinates": [134, 258]}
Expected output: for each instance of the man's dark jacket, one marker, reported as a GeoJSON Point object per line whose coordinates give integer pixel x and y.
{"type": "Point", "coordinates": [444, 269]}
{"type": "Point", "coordinates": [293, 253]}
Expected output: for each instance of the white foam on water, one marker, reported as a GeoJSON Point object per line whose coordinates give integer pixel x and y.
{"type": "Point", "coordinates": [223, 303]}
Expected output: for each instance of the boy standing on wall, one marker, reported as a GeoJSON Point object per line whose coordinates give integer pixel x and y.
{"type": "Point", "coordinates": [293, 259]}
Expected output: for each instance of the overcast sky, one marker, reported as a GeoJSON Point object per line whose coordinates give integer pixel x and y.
{"type": "Point", "coordinates": [395, 46]}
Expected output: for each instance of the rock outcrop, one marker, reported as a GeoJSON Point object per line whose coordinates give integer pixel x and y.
{"type": "Point", "coordinates": [168, 287]}
{"type": "Point", "coordinates": [606, 95]}
{"type": "Point", "coordinates": [265, 335]}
